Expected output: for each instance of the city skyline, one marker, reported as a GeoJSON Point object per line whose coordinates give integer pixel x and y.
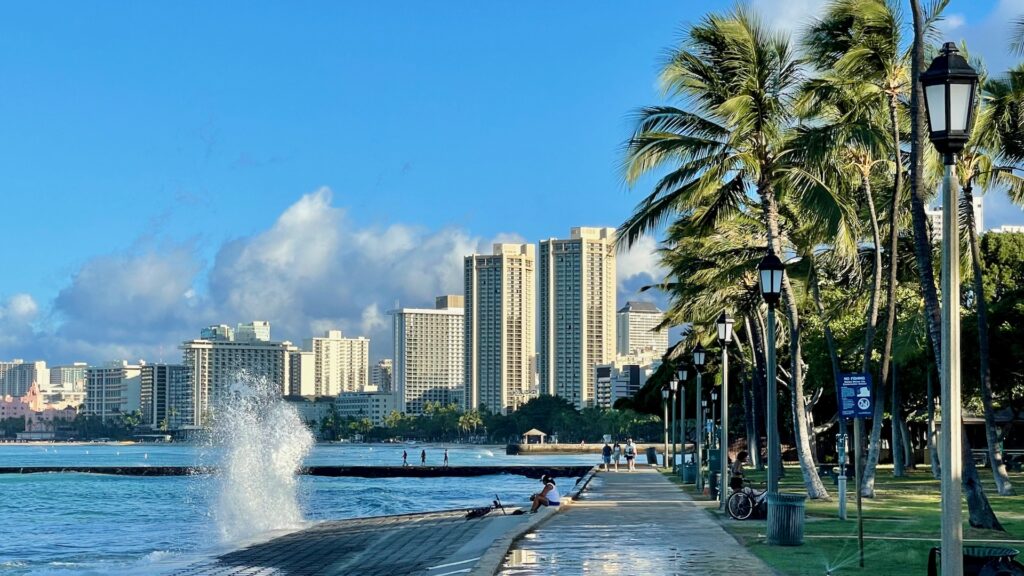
{"type": "Point", "coordinates": [183, 187]}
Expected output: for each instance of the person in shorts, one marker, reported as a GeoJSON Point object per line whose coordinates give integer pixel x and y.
{"type": "Point", "coordinates": [547, 497]}
{"type": "Point", "coordinates": [630, 453]}
{"type": "Point", "coordinates": [617, 455]}
{"type": "Point", "coordinates": [606, 456]}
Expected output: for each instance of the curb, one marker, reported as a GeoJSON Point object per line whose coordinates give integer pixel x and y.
{"type": "Point", "coordinates": [492, 559]}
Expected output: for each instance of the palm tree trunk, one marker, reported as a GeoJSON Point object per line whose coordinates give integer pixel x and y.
{"type": "Point", "coordinates": [933, 441]}
{"type": "Point", "coordinates": [995, 456]}
{"type": "Point", "coordinates": [749, 379]}
{"type": "Point", "coordinates": [977, 503]}
{"type": "Point", "coordinates": [815, 488]}
{"type": "Point", "coordinates": [898, 439]}
{"type": "Point", "coordinates": [756, 331]}
{"type": "Point", "coordinates": [867, 483]}
{"type": "Point", "coordinates": [890, 312]}
{"type": "Point", "coordinates": [830, 341]}
{"type": "Point", "coordinates": [918, 141]}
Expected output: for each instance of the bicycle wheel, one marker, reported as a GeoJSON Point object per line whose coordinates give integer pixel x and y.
{"type": "Point", "coordinates": [739, 506]}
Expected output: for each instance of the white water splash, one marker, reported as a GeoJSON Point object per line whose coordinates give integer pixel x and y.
{"type": "Point", "coordinates": [262, 443]}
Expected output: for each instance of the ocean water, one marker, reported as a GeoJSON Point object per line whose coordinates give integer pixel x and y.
{"type": "Point", "coordinates": [65, 524]}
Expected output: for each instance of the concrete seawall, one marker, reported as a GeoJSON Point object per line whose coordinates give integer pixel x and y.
{"type": "Point", "coordinates": [337, 471]}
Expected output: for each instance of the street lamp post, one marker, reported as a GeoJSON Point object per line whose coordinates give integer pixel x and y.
{"type": "Point", "coordinates": [724, 337]}
{"type": "Point", "coordinates": [664, 405]}
{"type": "Point", "coordinates": [950, 85]}
{"type": "Point", "coordinates": [770, 272]}
{"type": "Point", "coordinates": [673, 386]}
{"type": "Point", "coordinates": [682, 415]}
{"type": "Point", "coordinates": [699, 355]}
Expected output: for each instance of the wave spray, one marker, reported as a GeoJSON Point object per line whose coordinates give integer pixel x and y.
{"type": "Point", "coordinates": [261, 443]}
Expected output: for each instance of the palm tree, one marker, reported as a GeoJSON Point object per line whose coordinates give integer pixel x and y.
{"type": "Point", "coordinates": [857, 46]}
{"type": "Point", "coordinates": [738, 78]}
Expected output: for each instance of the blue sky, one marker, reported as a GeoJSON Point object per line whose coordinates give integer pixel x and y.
{"type": "Point", "coordinates": [167, 165]}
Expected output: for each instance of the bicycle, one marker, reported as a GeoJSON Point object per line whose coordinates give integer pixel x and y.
{"type": "Point", "coordinates": [743, 502]}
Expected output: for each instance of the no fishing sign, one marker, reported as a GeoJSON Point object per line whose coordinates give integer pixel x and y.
{"type": "Point", "coordinates": [855, 396]}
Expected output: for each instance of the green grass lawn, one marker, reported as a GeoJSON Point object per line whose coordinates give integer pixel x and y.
{"type": "Point", "coordinates": [901, 524]}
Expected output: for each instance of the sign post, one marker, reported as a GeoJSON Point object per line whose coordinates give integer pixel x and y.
{"type": "Point", "coordinates": [855, 401]}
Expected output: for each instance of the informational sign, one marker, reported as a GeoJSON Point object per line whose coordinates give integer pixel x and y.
{"type": "Point", "coordinates": [855, 399]}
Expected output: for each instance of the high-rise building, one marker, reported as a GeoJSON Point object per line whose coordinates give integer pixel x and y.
{"type": "Point", "coordinates": [157, 382]}
{"type": "Point", "coordinates": [113, 389]}
{"type": "Point", "coordinates": [17, 376]}
{"type": "Point", "coordinates": [372, 404]}
{"type": "Point", "coordinates": [69, 377]}
{"type": "Point", "coordinates": [934, 215]}
{"type": "Point", "coordinates": [637, 329]}
{"type": "Point", "coordinates": [214, 365]}
{"type": "Point", "coordinates": [499, 326]}
{"type": "Point", "coordinates": [577, 312]}
{"type": "Point", "coordinates": [380, 374]}
{"type": "Point", "coordinates": [219, 332]}
{"type": "Point", "coordinates": [1008, 229]}
{"type": "Point", "coordinates": [255, 331]}
{"type": "Point", "coordinates": [428, 364]}
{"type": "Point", "coordinates": [340, 364]}
{"type": "Point", "coordinates": [302, 373]}
{"type": "Point", "coordinates": [615, 381]}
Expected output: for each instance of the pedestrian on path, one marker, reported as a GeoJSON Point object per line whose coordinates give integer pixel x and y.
{"type": "Point", "coordinates": [630, 455]}
{"type": "Point", "coordinates": [617, 454]}
{"type": "Point", "coordinates": [445, 457]}
{"type": "Point", "coordinates": [405, 458]}
{"type": "Point", "coordinates": [606, 457]}
{"type": "Point", "coordinates": [423, 457]}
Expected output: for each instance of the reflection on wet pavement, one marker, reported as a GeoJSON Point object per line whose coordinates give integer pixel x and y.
{"type": "Point", "coordinates": [631, 523]}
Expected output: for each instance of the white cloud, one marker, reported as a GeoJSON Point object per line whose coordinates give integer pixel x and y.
{"type": "Point", "coordinates": [951, 22]}
{"type": "Point", "coordinates": [789, 15]}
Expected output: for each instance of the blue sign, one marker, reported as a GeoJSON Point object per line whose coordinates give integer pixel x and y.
{"type": "Point", "coordinates": [855, 399]}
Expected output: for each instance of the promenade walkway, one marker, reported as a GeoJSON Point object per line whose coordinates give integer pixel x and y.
{"type": "Point", "coordinates": [631, 523]}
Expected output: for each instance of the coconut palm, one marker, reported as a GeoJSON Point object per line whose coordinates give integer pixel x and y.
{"type": "Point", "coordinates": [737, 79]}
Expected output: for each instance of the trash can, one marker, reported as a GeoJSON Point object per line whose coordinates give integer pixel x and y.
{"type": "Point", "coordinates": [689, 473]}
{"type": "Point", "coordinates": [786, 519]}
{"type": "Point", "coordinates": [713, 485]}
{"type": "Point", "coordinates": [980, 560]}
{"type": "Point", "coordinates": [652, 455]}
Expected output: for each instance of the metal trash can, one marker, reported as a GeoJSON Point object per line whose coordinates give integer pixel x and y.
{"type": "Point", "coordinates": [652, 456]}
{"type": "Point", "coordinates": [786, 519]}
{"type": "Point", "coordinates": [689, 473]}
{"type": "Point", "coordinates": [997, 560]}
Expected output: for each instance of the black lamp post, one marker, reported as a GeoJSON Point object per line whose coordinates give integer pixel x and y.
{"type": "Point", "coordinates": [664, 419]}
{"type": "Point", "coordinates": [770, 273]}
{"type": "Point", "coordinates": [673, 387]}
{"type": "Point", "coordinates": [682, 374]}
{"type": "Point", "coordinates": [725, 323]}
{"type": "Point", "coordinates": [950, 88]}
{"type": "Point", "coordinates": [699, 355]}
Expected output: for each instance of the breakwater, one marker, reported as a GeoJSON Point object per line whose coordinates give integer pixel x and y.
{"type": "Point", "coordinates": [336, 471]}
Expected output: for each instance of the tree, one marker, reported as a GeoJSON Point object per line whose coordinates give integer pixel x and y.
{"type": "Point", "coordinates": [738, 79]}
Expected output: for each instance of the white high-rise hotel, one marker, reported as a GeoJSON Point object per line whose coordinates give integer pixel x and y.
{"type": "Point", "coordinates": [499, 325]}
{"type": "Point", "coordinates": [636, 330]}
{"type": "Point", "coordinates": [340, 364]}
{"type": "Point", "coordinates": [577, 312]}
{"type": "Point", "coordinates": [428, 365]}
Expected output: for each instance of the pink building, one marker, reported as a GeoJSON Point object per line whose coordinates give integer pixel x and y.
{"type": "Point", "coordinates": [38, 415]}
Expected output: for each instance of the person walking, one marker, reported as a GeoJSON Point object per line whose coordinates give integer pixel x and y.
{"type": "Point", "coordinates": [630, 455]}
{"type": "Point", "coordinates": [616, 454]}
{"type": "Point", "coordinates": [423, 457]}
{"type": "Point", "coordinates": [445, 457]}
{"type": "Point", "coordinates": [405, 458]}
{"type": "Point", "coordinates": [606, 457]}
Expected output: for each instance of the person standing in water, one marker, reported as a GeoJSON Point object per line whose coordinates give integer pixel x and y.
{"type": "Point", "coordinates": [405, 458]}
{"type": "Point", "coordinates": [423, 457]}
{"type": "Point", "coordinates": [445, 457]}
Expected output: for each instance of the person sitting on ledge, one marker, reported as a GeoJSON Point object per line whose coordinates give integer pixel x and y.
{"type": "Point", "coordinates": [546, 497]}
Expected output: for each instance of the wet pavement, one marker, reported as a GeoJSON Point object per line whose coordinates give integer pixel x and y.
{"type": "Point", "coordinates": [631, 523]}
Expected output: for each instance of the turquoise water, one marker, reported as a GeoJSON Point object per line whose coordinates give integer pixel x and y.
{"type": "Point", "coordinates": [65, 524]}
